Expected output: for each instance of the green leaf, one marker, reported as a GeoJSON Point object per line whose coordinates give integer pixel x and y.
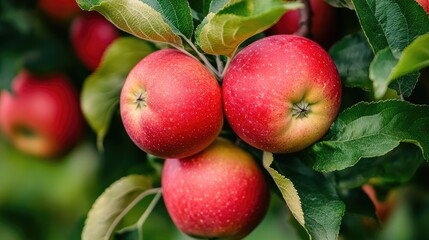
{"type": "Point", "coordinates": [177, 14]}
{"type": "Point", "coordinates": [223, 31]}
{"type": "Point", "coordinates": [397, 166]}
{"type": "Point", "coordinates": [101, 90]}
{"type": "Point", "coordinates": [159, 21]}
{"type": "Point", "coordinates": [368, 130]}
{"type": "Point", "coordinates": [413, 58]}
{"type": "Point", "coordinates": [112, 205]}
{"type": "Point", "coordinates": [341, 3]}
{"type": "Point", "coordinates": [311, 198]}
{"type": "Point", "coordinates": [380, 73]}
{"type": "Point", "coordinates": [10, 65]}
{"type": "Point", "coordinates": [352, 56]}
{"type": "Point", "coordinates": [390, 26]}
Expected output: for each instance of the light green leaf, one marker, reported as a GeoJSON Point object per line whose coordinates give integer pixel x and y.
{"type": "Point", "coordinates": [368, 130]}
{"type": "Point", "coordinates": [112, 205]}
{"type": "Point", "coordinates": [380, 73]}
{"type": "Point", "coordinates": [101, 90]}
{"type": "Point", "coordinates": [158, 21]}
{"type": "Point", "coordinates": [413, 58]}
{"type": "Point", "coordinates": [311, 198]}
{"type": "Point", "coordinates": [352, 56]}
{"type": "Point", "coordinates": [222, 32]}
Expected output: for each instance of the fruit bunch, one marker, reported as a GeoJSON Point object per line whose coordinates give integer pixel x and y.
{"type": "Point", "coordinates": [279, 94]}
{"type": "Point", "coordinates": [210, 101]}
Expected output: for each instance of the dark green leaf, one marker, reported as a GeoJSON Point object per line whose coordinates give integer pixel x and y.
{"type": "Point", "coordinates": [141, 19]}
{"type": "Point", "coordinates": [101, 90]}
{"type": "Point", "coordinates": [391, 23]}
{"type": "Point", "coordinates": [222, 32]}
{"type": "Point", "coordinates": [200, 8]}
{"type": "Point", "coordinates": [177, 14]}
{"type": "Point", "coordinates": [397, 166]}
{"type": "Point", "coordinates": [113, 204]}
{"type": "Point", "coordinates": [353, 56]}
{"type": "Point", "coordinates": [390, 26]}
{"type": "Point", "coordinates": [311, 198]}
{"type": "Point", "coordinates": [368, 130]}
{"type": "Point", "coordinates": [404, 85]}
{"type": "Point", "coordinates": [10, 65]}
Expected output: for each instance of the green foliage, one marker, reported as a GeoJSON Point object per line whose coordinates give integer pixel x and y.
{"type": "Point", "coordinates": [148, 20]}
{"type": "Point", "coordinates": [101, 90]}
{"type": "Point", "coordinates": [226, 27]}
{"type": "Point", "coordinates": [369, 130]}
{"type": "Point", "coordinates": [311, 198]}
{"type": "Point", "coordinates": [390, 26]}
{"type": "Point", "coordinates": [382, 142]}
{"type": "Point", "coordinates": [113, 204]}
{"type": "Point", "coordinates": [353, 55]}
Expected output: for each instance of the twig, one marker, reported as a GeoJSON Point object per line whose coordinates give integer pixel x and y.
{"type": "Point", "coordinates": [305, 14]}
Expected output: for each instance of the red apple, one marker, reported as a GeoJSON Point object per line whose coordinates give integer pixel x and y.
{"type": "Point", "coordinates": [281, 93]}
{"type": "Point", "coordinates": [383, 209]}
{"type": "Point", "coordinates": [61, 10]}
{"type": "Point", "coordinates": [217, 193]}
{"type": "Point", "coordinates": [42, 116]}
{"type": "Point", "coordinates": [91, 34]}
{"type": "Point", "coordinates": [323, 20]}
{"type": "Point", "coordinates": [424, 4]}
{"type": "Point", "coordinates": [171, 105]}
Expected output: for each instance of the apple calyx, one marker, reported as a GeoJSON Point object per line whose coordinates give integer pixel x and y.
{"type": "Point", "coordinates": [141, 99]}
{"type": "Point", "coordinates": [24, 131]}
{"type": "Point", "coordinates": [301, 109]}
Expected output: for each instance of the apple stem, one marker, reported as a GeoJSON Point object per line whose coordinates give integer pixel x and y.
{"type": "Point", "coordinates": [149, 209]}
{"type": "Point", "coordinates": [301, 109]}
{"type": "Point", "coordinates": [219, 64]}
{"type": "Point", "coordinates": [304, 19]}
{"type": "Point", "coordinates": [228, 61]}
{"type": "Point", "coordinates": [122, 214]}
{"type": "Point", "coordinates": [203, 58]}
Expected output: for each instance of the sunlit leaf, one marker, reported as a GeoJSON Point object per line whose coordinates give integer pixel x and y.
{"type": "Point", "coordinates": [101, 90]}
{"type": "Point", "coordinates": [223, 31]}
{"type": "Point", "coordinates": [413, 58]}
{"type": "Point", "coordinates": [159, 21]}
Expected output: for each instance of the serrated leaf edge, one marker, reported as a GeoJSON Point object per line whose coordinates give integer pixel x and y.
{"type": "Point", "coordinates": [288, 191]}
{"type": "Point", "coordinates": [101, 200]}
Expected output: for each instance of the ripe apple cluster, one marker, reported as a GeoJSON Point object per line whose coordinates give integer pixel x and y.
{"type": "Point", "coordinates": [279, 94]}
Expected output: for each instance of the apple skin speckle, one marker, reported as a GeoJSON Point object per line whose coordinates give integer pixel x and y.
{"type": "Point", "coordinates": [182, 109]}
{"type": "Point", "coordinates": [218, 193]}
